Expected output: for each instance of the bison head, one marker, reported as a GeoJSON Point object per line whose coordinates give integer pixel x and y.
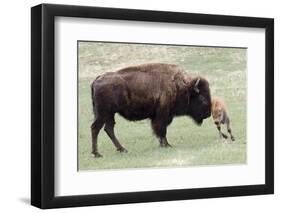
{"type": "Point", "coordinates": [200, 100]}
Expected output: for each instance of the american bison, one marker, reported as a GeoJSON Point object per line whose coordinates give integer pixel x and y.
{"type": "Point", "coordinates": [154, 91]}
{"type": "Point", "coordinates": [220, 116]}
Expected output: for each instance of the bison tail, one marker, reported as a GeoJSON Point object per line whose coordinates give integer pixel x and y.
{"type": "Point", "coordinates": [93, 97]}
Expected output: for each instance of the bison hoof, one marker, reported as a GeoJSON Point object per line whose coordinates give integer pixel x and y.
{"type": "Point", "coordinates": [232, 138]}
{"type": "Point", "coordinates": [166, 145]}
{"type": "Point", "coordinates": [122, 150]}
{"type": "Point", "coordinates": [97, 155]}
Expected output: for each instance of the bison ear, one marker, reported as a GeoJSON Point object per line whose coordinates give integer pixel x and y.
{"type": "Point", "coordinates": [196, 84]}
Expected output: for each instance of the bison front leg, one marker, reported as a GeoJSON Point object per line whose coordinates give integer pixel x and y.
{"type": "Point", "coordinates": [221, 134]}
{"type": "Point", "coordinates": [160, 130]}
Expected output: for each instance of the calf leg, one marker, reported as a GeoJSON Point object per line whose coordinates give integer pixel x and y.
{"type": "Point", "coordinates": [160, 131]}
{"type": "Point", "coordinates": [95, 129]}
{"type": "Point", "coordinates": [229, 130]}
{"type": "Point", "coordinates": [109, 129]}
{"type": "Point", "coordinates": [220, 132]}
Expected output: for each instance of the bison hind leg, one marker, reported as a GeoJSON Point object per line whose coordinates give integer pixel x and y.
{"type": "Point", "coordinates": [164, 143]}
{"type": "Point", "coordinates": [109, 129]}
{"type": "Point", "coordinates": [229, 130]}
{"type": "Point", "coordinates": [95, 129]}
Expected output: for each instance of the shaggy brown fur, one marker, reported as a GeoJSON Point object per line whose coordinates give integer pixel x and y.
{"type": "Point", "coordinates": [154, 91]}
{"type": "Point", "coordinates": [219, 114]}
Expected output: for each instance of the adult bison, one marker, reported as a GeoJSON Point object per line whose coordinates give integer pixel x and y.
{"type": "Point", "coordinates": [155, 91]}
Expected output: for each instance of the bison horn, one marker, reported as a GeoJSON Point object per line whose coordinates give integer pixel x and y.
{"type": "Point", "coordinates": [196, 85]}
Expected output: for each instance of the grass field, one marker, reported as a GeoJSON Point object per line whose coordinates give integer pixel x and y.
{"type": "Point", "coordinates": [225, 68]}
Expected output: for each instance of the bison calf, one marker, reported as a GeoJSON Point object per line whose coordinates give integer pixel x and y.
{"type": "Point", "coordinates": [220, 116]}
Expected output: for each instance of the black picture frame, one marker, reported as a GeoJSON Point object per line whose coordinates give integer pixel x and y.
{"type": "Point", "coordinates": [43, 105]}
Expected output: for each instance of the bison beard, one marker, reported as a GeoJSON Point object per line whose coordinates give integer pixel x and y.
{"type": "Point", "coordinates": [155, 91]}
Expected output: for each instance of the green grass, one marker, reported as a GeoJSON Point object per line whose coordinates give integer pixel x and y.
{"type": "Point", "coordinates": [225, 68]}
